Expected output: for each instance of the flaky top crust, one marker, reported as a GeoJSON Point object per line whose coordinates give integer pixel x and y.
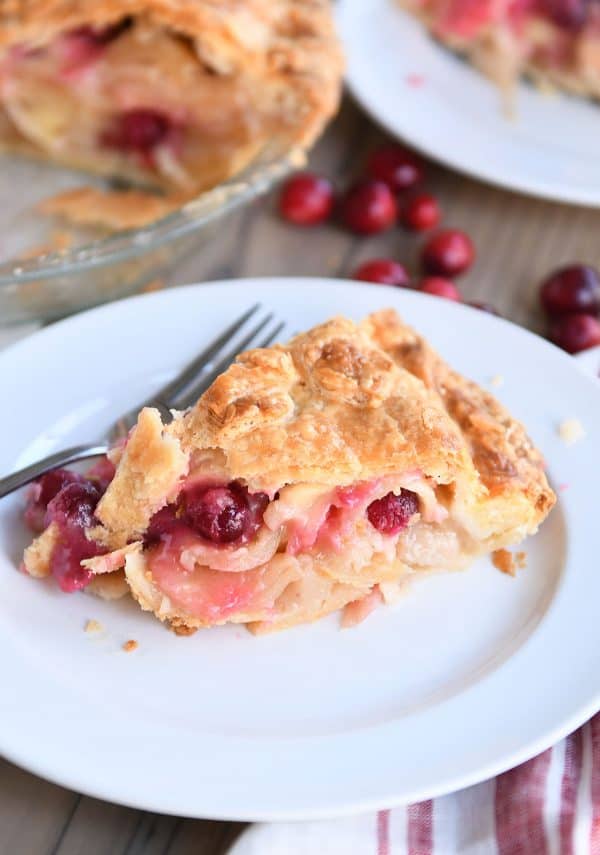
{"type": "Point", "coordinates": [288, 46]}
{"type": "Point", "coordinates": [339, 404]}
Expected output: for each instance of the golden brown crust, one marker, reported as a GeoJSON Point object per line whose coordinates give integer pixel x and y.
{"type": "Point", "coordinates": [331, 407]}
{"type": "Point", "coordinates": [36, 558]}
{"type": "Point", "coordinates": [288, 47]}
{"type": "Point", "coordinates": [114, 210]}
{"type": "Point", "coordinates": [150, 470]}
{"type": "Point", "coordinates": [507, 462]}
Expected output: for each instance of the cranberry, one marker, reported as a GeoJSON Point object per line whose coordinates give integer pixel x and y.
{"type": "Point", "coordinates": [399, 168]}
{"type": "Point", "coordinates": [392, 513]}
{"type": "Point", "coordinates": [43, 491]}
{"type": "Point", "coordinates": [383, 271]}
{"type": "Point", "coordinates": [72, 510]}
{"type": "Point", "coordinates": [422, 212]}
{"type": "Point", "coordinates": [440, 288]}
{"type": "Point", "coordinates": [448, 253]}
{"type": "Point", "coordinates": [162, 524]}
{"type": "Point", "coordinates": [306, 199]}
{"type": "Point", "coordinates": [570, 290]}
{"type": "Point", "coordinates": [570, 14]}
{"type": "Point", "coordinates": [74, 505]}
{"type": "Point", "coordinates": [485, 307]}
{"type": "Point", "coordinates": [575, 332]}
{"type": "Point", "coordinates": [224, 514]}
{"type": "Point", "coordinates": [369, 207]}
{"type": "Point", "coordinates": [138, 131]}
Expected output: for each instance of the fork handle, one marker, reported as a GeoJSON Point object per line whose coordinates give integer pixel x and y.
{"type": "Point", "coordinates": [61, 458]}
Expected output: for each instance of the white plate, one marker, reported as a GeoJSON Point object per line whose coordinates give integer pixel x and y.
{"type": "Point", "coordinates": [470, 674]}
{"type": "Point", "coordinates": [436, 102]}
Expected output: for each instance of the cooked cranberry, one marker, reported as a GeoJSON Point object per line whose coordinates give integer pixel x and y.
{"type": "Point", "coordinates": [224, 514]}
{"type": "Point", "coordinates": [43, 491]}
{"type": "Point", "coordinates": [72, 510]}
{"type": "Point", "coordinates": [399, 168]}
{"type": "Point", "coordinates": [306, 199]}
{"type": "Point", "coordinates": [575, 332]}
{"type": "Point", "coordinates": [440, 287]}
{"type": "Point", "coordinates": [571, 290]}
{"type": "Point", "coordinates": [369, 207]}
{"type": "Point", "coordinates": [448, 253]}
{"type": "Point", "coordinates": [65, 562]}
{"type": "Point", "coordinates": [422, 212]}
{"type": "Point", "coordinates": [138, 131]}
{"type": "Point", "coordinates": [485, 307]}
{"type": "Point", "coordinates": [163, 523]}
{"type": "Point", "coordinates": [570, 14]}
{"type": "Point", "coordinates": [383, 271]}
{"type": "Point", "coordinates": [392, 513]}
{"type": "Point", "coordinates": [74, 505]}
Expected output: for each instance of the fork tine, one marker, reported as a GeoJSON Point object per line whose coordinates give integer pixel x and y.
{"type": "Point", "coordinates": [192, 394]}
{"type": "Point", "coordinates": [191, 370]}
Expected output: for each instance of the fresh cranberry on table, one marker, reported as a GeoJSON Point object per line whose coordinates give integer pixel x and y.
{"type": "Point", "coordinates": [440, 287]}
{"type": "Point", "coordinates": [399, 168]}
{"type": "Point", "coordinates": [306, 199]}
{"type": "Point", "coordinates": [571, 290]}
{"type": "Point", "coordinates": [383, 271]}
{"type": "Point", "coordinates": [448, 253]}
{"type": "Point", "coordinates": [421, 212]}
{"type": "Point", "coordinates": [570, 14]}
{"type": "Point", "coordinates": [392, 513]}
{"type": "Point", "coordinates": [369, 207]}
{"type": "Point", "coordinates": [575, 333]}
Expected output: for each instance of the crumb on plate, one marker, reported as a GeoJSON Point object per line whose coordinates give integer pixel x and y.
{"type": "Point", "coordinates": [130, 645]}
{"type": "Point", "coordinates": [571, 431]}
{"type": "Point", "coordinates": [504, 561]}
{"type": "Point", "coordinates": [92, 626]}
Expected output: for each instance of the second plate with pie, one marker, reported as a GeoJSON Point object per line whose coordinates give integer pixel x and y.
{"type": "Point", "coordinates": [315, 721]}
{"type": "Point", "coordinates": [427, 96]}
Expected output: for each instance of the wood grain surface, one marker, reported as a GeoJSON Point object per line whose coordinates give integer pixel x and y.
{"type": "Point", "coordinates": [518, 241]}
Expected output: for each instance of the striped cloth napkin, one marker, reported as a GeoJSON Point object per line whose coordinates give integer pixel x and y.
{"type": "Point", "coordinates": [547, 806]}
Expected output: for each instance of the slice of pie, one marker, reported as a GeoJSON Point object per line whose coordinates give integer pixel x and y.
{"type": "Point", "coordinates": [553, 41]}
{"type": "Point", "coordinates": [172, 95]}
{"type": "Point", "coordinates": [310, 477]}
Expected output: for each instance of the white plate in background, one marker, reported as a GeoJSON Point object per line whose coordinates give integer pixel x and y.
{"type": "Point", "coordinates": [424, 94]}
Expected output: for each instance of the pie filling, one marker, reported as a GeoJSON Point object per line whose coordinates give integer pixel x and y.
{"type": "Point", "coordinates": [551, 34]}
{"type": "Point", "coordinates": [118, 100]}
{"type": "Point", "coordinates": [220, 552]}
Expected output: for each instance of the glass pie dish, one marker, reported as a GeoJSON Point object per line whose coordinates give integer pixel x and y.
{"type": "Point", "coordinates": [47, 272]}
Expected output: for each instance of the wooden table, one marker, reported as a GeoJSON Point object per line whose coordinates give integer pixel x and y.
{"type": "Point", "coordinates": [519, 240]}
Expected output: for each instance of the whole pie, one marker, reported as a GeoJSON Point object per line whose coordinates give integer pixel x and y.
{"type": "Point", "coordinates": [310, 477]}
{"type": "Point", "coordinates": [172, 94]}
{"type": "Point", "coordinates": [553, 41]}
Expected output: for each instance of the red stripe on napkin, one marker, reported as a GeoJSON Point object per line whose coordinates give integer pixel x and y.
{"type": "Point", "coordinates": [420, 828]}
{"type": "Point", "coordinates": [519, 807]}
{"type": "Point", "coordinates": [383, 832]}
{"type": "Point", "coordinates": [568, 792]}
{"type": "Point", "coordinates": [595, 832]}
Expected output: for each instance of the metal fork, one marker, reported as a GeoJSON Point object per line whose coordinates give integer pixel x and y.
{"type": "Point", "coordinates": [178, 394]}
